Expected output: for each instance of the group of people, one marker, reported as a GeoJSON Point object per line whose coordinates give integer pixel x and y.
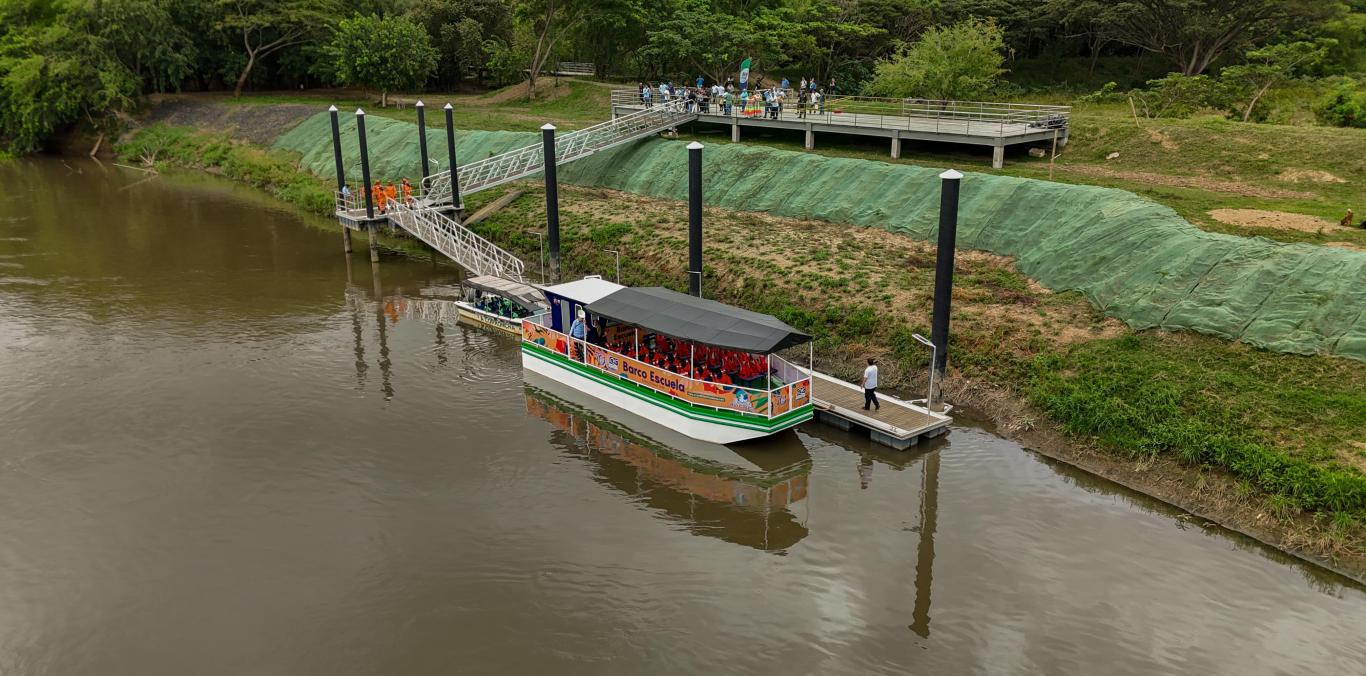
{"type": "Point", "coordinates": [500, 306]}
{"type": "Point", "coordinates": [381, 194]}
{"type": "Point", "coordinates": [766, 101]}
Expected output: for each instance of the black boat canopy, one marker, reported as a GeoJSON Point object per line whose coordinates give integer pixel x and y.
{"type": "Point", "coordinates": [697, 319]}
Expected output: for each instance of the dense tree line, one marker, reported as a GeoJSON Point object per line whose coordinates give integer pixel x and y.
{"type": "Point", "coordinates": [85, 62]}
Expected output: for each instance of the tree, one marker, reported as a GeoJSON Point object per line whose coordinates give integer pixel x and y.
{"type": "Point", "coordinates": [389, 53]}
{"type": "Point", "coordinates": [146, 37]}
{"type": "Point", "coordinates": [1272, 65]}
{"type": "Point", "coordinates": [955, 62]}
{"type": "Point", "coordinates": [549, 20]}
{"type": "Point", "coordinates": [55, 71]}
{"type": "Point", "coordinates": [1193, 33]}
{"type": "Point", "coordinates": [268, 26]}
{"type": "Point", "coordinates": [1085, 19]}
{"type": "Point", "coordinates": [459, 29]}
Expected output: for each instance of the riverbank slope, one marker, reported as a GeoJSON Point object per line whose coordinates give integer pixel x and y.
{"type": "Point", "coordinates": [1224, 425]}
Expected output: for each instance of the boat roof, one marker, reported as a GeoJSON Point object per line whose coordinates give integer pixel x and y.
{"type": "Point", "coordinates": [698, 319]}
{"type": "Point", "coordinates": [528, 296]}
{"type": "Point", "coordinates": [587, 290]}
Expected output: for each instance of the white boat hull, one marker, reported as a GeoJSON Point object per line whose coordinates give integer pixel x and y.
{"type": "Point", "coordinates": [674, 417]}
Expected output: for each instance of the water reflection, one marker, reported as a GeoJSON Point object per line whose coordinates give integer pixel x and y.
{"type": "Point", "coordinates": [741, 506]}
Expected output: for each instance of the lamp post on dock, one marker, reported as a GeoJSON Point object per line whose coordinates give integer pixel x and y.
{"type": "Point", "coordinates": [943, 278]}
{"type": "Point", "coordinates": [934, 354]}
{"type": "Point", "coordinates": [618, 255]}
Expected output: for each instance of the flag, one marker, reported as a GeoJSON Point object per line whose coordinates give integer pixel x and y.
{"type": "Point", "coordinates": [744, 75]}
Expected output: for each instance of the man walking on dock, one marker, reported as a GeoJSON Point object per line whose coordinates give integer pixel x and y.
{"type": "Point", "coordinates": [870, 385]}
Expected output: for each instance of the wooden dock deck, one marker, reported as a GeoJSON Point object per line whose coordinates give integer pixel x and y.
{"type": "Point", "coordinates": [898, 424]}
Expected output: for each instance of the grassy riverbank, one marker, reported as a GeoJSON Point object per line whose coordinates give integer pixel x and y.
{"type": "Point", "coordinates": [1285, 431]}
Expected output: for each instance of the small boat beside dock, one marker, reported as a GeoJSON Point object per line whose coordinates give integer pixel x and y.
{"type": "Point", "coordinates": [500, 304]}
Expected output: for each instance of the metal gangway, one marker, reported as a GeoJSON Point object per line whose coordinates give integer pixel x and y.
{"type": "Point", "coordinates": [523, 162]}
{"type": "Point", "coordinates": [453, 240]}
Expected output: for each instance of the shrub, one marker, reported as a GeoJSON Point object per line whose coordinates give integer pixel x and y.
{"type": "Point", "coordinates": [1344, 106]}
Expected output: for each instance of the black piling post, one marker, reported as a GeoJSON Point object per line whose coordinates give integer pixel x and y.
{"type": "Point", "coordinates": [341, 172]}
{"type": "Point", "coordinates": [422, 134]}
{"type": "Point", "coordinates": [552, 199]}
{"type": "Point", "coordinates": [365, 188]}
{"type": "Point", "coordinates": [364, 164]}
{"type": "Point", "coordinates": [943, 278]}
{"type": "Point", "coordinates": [695, 219]}
{"type": "Point", "coordinates": [450, 153]}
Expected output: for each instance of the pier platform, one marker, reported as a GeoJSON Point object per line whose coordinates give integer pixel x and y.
{"type": "Point", "coordinates": [996, 125]}
{"type": "Point", "coordinates": [898, 424]}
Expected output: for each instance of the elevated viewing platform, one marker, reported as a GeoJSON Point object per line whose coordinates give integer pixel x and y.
{"type": "Point", "coordinates": [996, 125]}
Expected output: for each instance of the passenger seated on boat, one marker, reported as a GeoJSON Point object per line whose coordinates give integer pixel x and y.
{"type": "Point", "coordinates": [724, 379]}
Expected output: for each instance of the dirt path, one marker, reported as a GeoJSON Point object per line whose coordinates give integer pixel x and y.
{"type": "Point", "coordinates": [1199, 182]}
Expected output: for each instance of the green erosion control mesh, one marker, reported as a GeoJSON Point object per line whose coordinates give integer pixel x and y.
{"type": "Point", "coordinates": [1133, 258]}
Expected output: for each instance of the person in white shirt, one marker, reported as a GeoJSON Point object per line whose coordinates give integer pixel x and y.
{"type": "Point", "coordinates": [870, 385]}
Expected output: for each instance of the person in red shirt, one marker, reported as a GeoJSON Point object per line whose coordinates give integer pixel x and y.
{"type": "Point", "coordinates": [725, 379]}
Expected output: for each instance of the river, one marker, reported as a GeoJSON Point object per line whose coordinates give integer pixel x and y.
{"type": "Point", "coordinates": [226, 449]}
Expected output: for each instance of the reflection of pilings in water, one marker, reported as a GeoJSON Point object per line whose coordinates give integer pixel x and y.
{"type": "Point", "coordinates": [440, 343]}
{"type": "Point", "coordinates": [354, 301]}
{"type": "Point", "coordinates": [384, 362]}
{"type": "Point", "coordinates": [924, 559]}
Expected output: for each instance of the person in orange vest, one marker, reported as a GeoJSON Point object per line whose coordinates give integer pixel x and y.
{"type": "Point", "coordinates": [377, 193]}
{"type": "Point", "coordinates": [407, 192]}
{"type": "Point", "coordinates": [391, 192]}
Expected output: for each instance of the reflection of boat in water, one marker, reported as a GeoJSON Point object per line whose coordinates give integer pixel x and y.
{"type": "Point", "coordinates": [714, 498]}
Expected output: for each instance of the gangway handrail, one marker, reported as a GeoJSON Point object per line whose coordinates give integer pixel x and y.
{"type": "Point", "coordinates": [528, 160]}
{"type": "Point", "coordinates": [455, 241]}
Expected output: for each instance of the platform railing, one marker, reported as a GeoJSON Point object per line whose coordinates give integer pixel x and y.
{"type": "Point", "coordinates": [581, 356]}
{"type": "Point", "coordinates": [523, 162]}
{"type": "Point", "coordinates": [966, 117]}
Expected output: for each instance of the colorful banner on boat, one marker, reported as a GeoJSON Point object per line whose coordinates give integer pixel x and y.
{"type": "Point", "coordinates": [801, 393]}
{"type": "Point", "coordinates": [545, 337]}
{"type": "Point", "coordinates": [716, 395]}
{"type": "Point", "coordinates": [782, 400]}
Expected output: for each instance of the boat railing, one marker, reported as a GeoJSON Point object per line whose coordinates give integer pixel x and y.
{"type": "Point", "coordinates": [766, 403]}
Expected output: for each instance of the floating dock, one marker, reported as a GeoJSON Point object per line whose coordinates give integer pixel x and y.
{"type": "Point", "coordinates": [898, 424]}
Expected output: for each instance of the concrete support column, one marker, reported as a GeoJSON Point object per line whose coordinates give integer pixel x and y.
{"type": "Point", "coordinates": [810, 138]}
{"type": "Point", "coordinates": [896, 147]}
{"type": "Point", "coordinates": [346, 239]}
{"type": "Point", "coordinates": [998, 157]}
{"type": "Point", "coordinates": [734, 133]}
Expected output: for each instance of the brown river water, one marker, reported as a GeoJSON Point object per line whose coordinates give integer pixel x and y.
{"type": "Point", "coordinates": [226, 449]}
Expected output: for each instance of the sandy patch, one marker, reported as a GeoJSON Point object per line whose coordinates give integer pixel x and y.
{"type": "Point", "coordinates": [1346, 245]}
{"type": "Point", "coordinates": [1277, 220]}
{"type": "Point", "coordinates": [1308, 176]}
{"type": "Point", "coordinates": [1156, 136]}
{"type": "Point", "coordinates": [1199, 182]}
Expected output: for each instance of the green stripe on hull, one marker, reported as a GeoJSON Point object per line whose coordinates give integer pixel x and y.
{"type": "Point", "coordinates": [729, 418]}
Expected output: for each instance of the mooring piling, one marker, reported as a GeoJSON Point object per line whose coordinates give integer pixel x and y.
{"type": "Point", "coordinates": [695, 219]}
{"type": "Point", "coordinates": [450, 154]}
{"type": "Point", "coordinates": [364, 164]}
{"type": "Point", "coordinates": [943, 280]}
{"type": "Point", "coordinates": [552, 199]}
{"type": "Point", "coordinates": [341, 171]}
{"type": "Point", "coordinates": [422, 134]}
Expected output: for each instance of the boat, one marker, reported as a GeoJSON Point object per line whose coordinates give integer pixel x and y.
{"type": "Point", "coordinates": [499, 303]}
{"type": "Point", "coordinates": [708, 370]}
